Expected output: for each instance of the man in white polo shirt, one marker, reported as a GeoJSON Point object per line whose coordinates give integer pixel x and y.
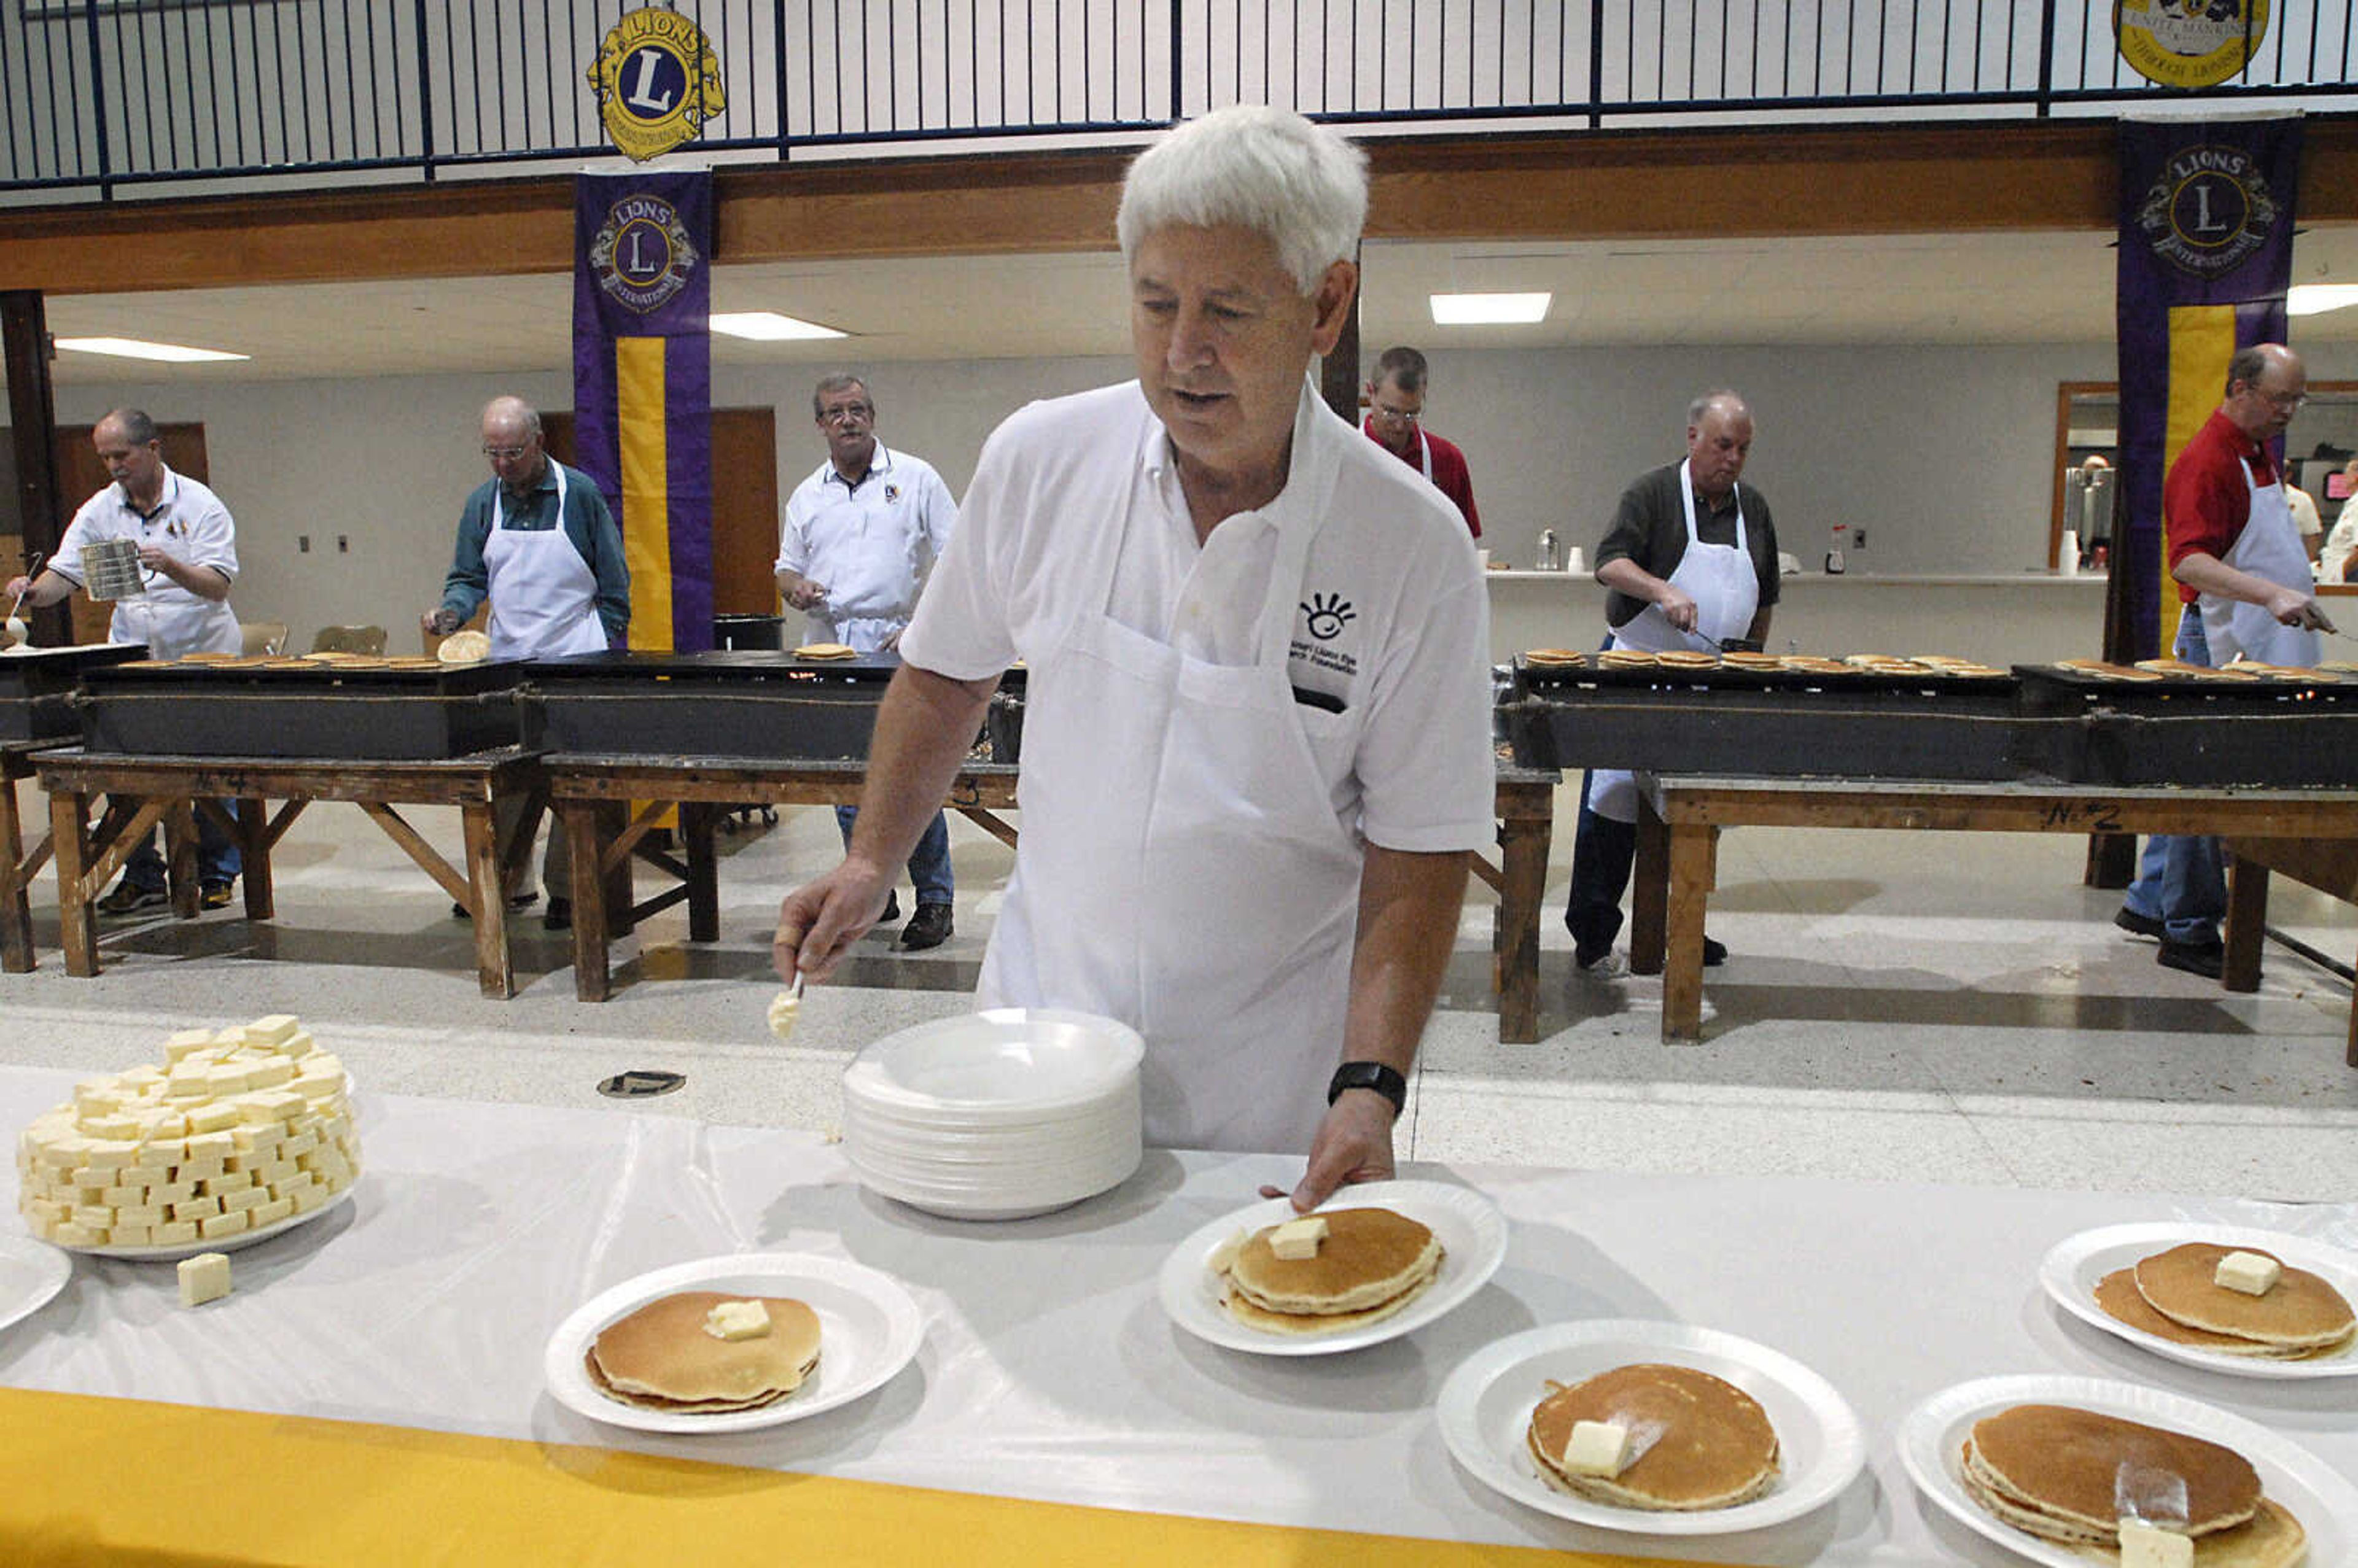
{"type": "Point", "coordinates": [1257, 732]}
{"type": "Point", "coordinates": [860, 537]}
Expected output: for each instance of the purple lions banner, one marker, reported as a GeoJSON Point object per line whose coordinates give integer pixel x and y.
{"type": "Point", "coordinates": [643, 387]}
{"type": "Point", "coordinates": [2205, 259]}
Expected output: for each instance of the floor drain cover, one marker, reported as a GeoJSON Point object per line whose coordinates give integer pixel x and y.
{"type": "Point", "coordinates": [640, 1084]}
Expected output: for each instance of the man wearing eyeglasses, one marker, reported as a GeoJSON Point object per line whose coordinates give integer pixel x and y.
{"type": "Point", "coordinates": [2244, 592]}
{"type": "Point", "coordinates": [1396, 422]}
{"type": "Point", "coordinates": [860, 537]}
{"type": "Point", "coordinates": [537, 539]}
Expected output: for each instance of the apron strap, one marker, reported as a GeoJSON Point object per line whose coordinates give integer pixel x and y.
{"type": "Point", "coordinates": [1686, 498]}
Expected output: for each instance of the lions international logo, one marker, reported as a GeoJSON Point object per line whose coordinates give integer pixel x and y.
{"type": "Point", "coordinates": [657, 81]}
{"type": "Point", "coordinates": [641, 253]}
{"type": "Point", "coordinates": [1328, 613]}
{"type": "Point", "coordinates": [2189, 43]}
{"type": "Point", "coordinates": [2209, 211]}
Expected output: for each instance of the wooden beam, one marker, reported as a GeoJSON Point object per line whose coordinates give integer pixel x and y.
{"type": "Point", "coordinates": [1861, 179]}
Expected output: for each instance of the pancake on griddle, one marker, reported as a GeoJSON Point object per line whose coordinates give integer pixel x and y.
{"type": "Point", "coordinates": [1550, 656]}
{"type": "Point", "coordinates": [1626, 659]}
{"type": "Point", "coordinates": [1372, 1263]}
{"type": "Point", "coordinates": [1696, 1442]}
{"type": "Point", "coordinates": [1687, 659]}
{"type": "Point", "coordinates": [661, 1358]}
{"type": "Point", "coordinates": [2072, 1475]}
{"type": "Point", "coordinates": [1741, 660]}
{"type": "Point", "coordinates": [465, 647]}
{"type": "Point", "coordinates": [2108, 671]}
{"type": "Point", "coordinates": [2300, 1312]}
{"type": "Point", "coordinates": [1813, 665]}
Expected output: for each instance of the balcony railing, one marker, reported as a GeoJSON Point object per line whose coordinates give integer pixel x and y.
{"type": "Point", "coordinates": [100, 98]}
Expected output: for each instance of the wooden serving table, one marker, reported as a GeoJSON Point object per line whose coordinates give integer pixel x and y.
{"type": "Point", "coordinates": [1680, 818]}
{"type": "Point", "coordinates": [17, 869]}
{"type": "Point", "coordinates": [607, 804]}
{"type": "Point", "coordinates": [2329, 866]}
{"type": "Point", "coordinates": [142, 791]}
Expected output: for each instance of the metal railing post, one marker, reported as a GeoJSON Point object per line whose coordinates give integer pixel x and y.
{"type": "Point", "coordinates": [98, 102]}
{"type": "Point", "coordinates": [1178, 32]}
{"type": "Point", "coordinates": [2047, 59]}
{"type": "Point", "coordinates": [1596, 64]}
{"type": "Point", "coordinates": [424, 97]}
{"type": "Point", "coordinates": [778, 54]}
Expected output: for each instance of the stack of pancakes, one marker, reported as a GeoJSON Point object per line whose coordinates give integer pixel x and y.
{"type": "Point", "coordinates": [1625, 659]}
{"type": "Point", "coordinates": [827, 651]}
{"type": "Point", "coordinates": [1696, 1442]}
{"type": "Point", "coordinates": [660, 1358]}
{"type": "Point", "coordinates": [2074, 1475]}
{"type": "Point", "coordinates": [2175, 1295]}
{"type": "Point", "coordinates": [2109, 671]}
{"type": "Point", "coordinates": [1372, 1263]}
{"type": "Point", "coordinates": [1552, 658]}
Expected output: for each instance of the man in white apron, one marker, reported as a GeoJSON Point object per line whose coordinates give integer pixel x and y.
{"type": "Point", "coordinates": [188, 558]}
{"type": "Point", "coordinates": [1255, 742]}
{"type": "Point", "coordinates": [538, 540]}
{"type": "Point", "coordinates": [1692, 562]}
{"type": "Point", "coordinates": [857, 540]}
{"type": "Point", "coordinates": [2244, 592]}
{"type": "Point", "coordinates": [1395, 422]}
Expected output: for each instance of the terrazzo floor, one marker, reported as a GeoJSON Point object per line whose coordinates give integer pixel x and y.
{"type": "Point", "coordinates": [1898, 1006]}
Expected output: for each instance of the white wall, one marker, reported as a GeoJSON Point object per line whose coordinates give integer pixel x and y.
{"type": "Point", "coordinates": [1941, 454]}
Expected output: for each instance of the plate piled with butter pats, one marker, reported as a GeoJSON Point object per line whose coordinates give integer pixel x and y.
{"type": "Point", "coordinates": [732, 1344]}
{"type": "Point", "coordinates": [237, 1134]}
{"type": "Point", "coordinates": [1376, 1261]}
{"type": "Point", "coordinates": [1651, 1428]}
{"type": "Point", "coordinates": [2232, 1299]}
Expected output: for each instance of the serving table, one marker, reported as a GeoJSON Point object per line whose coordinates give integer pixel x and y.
{"type": "Point", "coordinates": [1680, 818]}
{"type": "Point", "coordinates": [373, 1392]}
{"type": "Point", "coordinates": [142, 791]}
{"type": "Point", "coordinates": [17, 869]}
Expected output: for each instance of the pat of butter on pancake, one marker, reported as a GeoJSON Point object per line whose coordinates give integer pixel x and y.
{"type": "Point", "coordinates": [738, 1320]}
{"type": "Point", "coordinates": [2147, 1546]}
{"type": "Point", "coordinates": [2250, 1272]}
{"type": "Point", "coordinates": [1596, 1448]}
{"type": "Point", "coordinates": [1298, 1238]}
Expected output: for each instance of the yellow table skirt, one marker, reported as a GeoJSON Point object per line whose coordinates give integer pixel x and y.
{"type": "Point", "coordinates": [116, 1481]}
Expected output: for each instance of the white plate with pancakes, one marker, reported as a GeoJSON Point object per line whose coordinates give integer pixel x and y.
{"type": "Point", "coordinates": [30, 1273]}
{"type": "Point", "coordinates": [1485, 1410]}
{"type": "Point", "coordinates": [2073, 1267]}
{"type": "Point", "coordinates": [869, 1328]}
{"type": "Point", "coordinates": [1932, 1439]}
{"type": "Point", "coordinates": [1471, 1230]}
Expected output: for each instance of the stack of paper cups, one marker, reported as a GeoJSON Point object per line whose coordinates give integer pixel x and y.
{"type": "Point", "coordinates": [1576, 559]}
{"type": "Point", "coordinates": [2067, 558]}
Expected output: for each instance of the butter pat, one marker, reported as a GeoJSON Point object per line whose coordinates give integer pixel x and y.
{"type": "Point", "coordinates": [2144, 1546]}
{"type": "Point", "coordinates": [1298, 1238]}
{"type": "Point", "coordinates": [270, 1031]}
{"type": "Point", "coordinates": [2250, 1272]}
{"type": "Point", "coordinates": [1596, 1448]}
{"type": "Point", "coordinates": [1224, 1256]}
{"type": "Point", "coordinates": [738, 1320]}
{"type": "Point", "coordinates": [204, 1278]}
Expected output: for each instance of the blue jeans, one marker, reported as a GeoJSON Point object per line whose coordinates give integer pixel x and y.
{"type": "Point", "coordinates": [2181, 880]}
{"type": "Point", "coordinates": [217, 857]}
{"type": "Point", "coordinates": [929, 862]}
{"type": "Point", "coordinates": [1603, 851]}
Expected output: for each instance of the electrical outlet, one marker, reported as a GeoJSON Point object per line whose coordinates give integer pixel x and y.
{"type": "Point", "coordinates": [302, 544]}
{"type": "Point", "coordinates": [343, 545]}
{"type": "Point", "coordinates": [1857, 538]}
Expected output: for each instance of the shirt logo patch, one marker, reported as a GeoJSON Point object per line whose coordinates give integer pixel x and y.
{"type": "Point", "coordinates": [1328, 613]}
{"type": "Point", "coordinates": [891, 491]}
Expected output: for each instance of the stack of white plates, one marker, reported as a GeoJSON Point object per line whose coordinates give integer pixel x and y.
{"type": "Point", "coordinates": [1003, 1114]}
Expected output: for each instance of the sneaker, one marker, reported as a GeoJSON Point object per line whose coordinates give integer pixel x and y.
{"type": "Point", "coordinates": [2137, 924]}
{"type": "Point", "coordinates": [891, 909]}
{"type": "Point", "coordinates": [516, 900]}
{"type": "Point", "coordinates": [929, 927]}
{"type": "Point", "coordinates": [2208, 959]}
{"type": "Point", "coordinates": [1609, 965]}
{"type": "Point", "coordinates": [213, 895]}
{"type": "Point", "coordinates": [129, 898]}
{"type": "Point", "coordinates": [558, 917]}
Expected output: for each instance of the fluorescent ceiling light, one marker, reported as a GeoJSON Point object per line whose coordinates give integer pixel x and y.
{"type": "Point", "coordinates": [133, 349]}
{"type": "Point", "coordinates": [767, 326]}
{"type": "Point", "coordinates": [1489, 309]}
{"type": "Point", "coordinates": [2316, 298]}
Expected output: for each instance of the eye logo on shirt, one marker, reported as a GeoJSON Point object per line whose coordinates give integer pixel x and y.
{"type": "Point", "coordinates": [1328, 614]}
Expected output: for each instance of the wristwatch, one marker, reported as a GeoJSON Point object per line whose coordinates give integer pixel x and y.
{"type": "Point", "coordinates": [1386, 1081]}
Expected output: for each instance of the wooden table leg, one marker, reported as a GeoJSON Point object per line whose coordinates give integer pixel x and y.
{"type": "Point", "coordinates": [15, 904]}
{"type": "Point", "coordinates": [253, 818]}
{"type": "Point", "coordinates": [180, 857]}
{"type": "Point", "coordinates": [1648, 893]}
{"type": "Point", "coordinates": [77, 900]}
{"type": "Point", "coordinates": [613, 816]}
{"type": "Point", "coordinates": [1691, 849]}
{"type": "Point", "coordinates": [2247, 919]}
{"type": "Point", "coordinates": [577, 820]}
{"type": "Point", "coordinates": [695, 827]}
{"type": "Point", "coordinates": [495, 966]}
{"type": "Point", "coordinates": [1523, 862]}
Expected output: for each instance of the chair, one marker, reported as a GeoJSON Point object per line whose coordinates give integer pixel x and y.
{"type": "Point", "coordinates": [348, 639]}
{"type": "Point", "coordinates": [263, 636]}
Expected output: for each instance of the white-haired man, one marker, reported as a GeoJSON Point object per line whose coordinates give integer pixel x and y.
{"type": "Point", "coordinates": [1256, 742]}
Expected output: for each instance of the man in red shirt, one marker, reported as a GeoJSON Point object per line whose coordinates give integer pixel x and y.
{"type": "Point", "coordinates": [2243, 582]}
{"type": "Point", "coordinates": [1395, 407]}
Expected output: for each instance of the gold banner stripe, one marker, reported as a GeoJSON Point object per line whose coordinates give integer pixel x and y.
{"type": "Point", "coordinates": [2202, 341]}
{"type": "Point", "coordinates": [108, 1480]}
{"type": "Point", "coordinates": [646, 488]}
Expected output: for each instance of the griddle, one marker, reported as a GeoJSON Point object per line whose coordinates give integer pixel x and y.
{"type": "Point", "coordinates": [2085, 728]}
{"type": "Point", "coordinates": [1774, 723]}
{"type": "Point", "coordinates": [312, 711]}
{"type": "Point", "coordinates": [752, 703]}
{"type": "Point", "coordinates": [37, 688]}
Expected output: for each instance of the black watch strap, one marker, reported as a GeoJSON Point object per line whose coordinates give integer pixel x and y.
{"type": "Point", "coordinates": [1386, 1081]}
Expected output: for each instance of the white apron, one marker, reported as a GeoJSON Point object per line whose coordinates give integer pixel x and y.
{"type": "Point", "coordinates": [2269, 548]}
{"type": "Point", "coordinates": [544, 595]}
{"type": "Point", "coordinates": [864, 633]}
{"type": "Point", "coordinates": [1725, 588]}
{"type": "Point", "coordinates": [1182, 866]}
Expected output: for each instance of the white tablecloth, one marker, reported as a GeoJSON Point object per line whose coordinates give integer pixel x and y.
{"type": "Point", "coordinates": [1049, 1369]}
